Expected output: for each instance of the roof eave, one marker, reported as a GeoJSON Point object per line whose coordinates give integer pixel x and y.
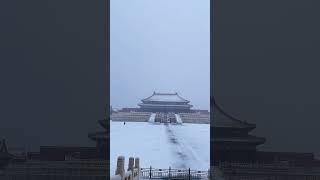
{"type": "Point", "coordinates": [248, 128]}
{"type": "Point", "coordinates": [220, 110]}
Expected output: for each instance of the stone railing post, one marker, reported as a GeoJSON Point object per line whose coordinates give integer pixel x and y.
{"type": "Point", "coordinates": [137, 166]}
{"type": "Point", "coordinates": [137, 163]}
{"type": "Point", "coordinates": [131, 164]}
{"type": "Point", "coordinates": [120, 166]}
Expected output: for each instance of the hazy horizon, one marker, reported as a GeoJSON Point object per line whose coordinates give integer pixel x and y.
{"type": "Point", "coordinates": [161, 46]}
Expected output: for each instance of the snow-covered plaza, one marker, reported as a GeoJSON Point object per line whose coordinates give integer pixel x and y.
{"type": "Point", "coordinates": [161, 145]}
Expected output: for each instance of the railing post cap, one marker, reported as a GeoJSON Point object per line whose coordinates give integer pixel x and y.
{"type": "Point", "coordinates": [120, 157]}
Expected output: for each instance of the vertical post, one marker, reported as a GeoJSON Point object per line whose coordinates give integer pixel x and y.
{"type": "Point", "coordinates": [120, 166]}
{"type": "Point", "coordinates": [131, 164]}
{"type": "Point", "coordinates": [189, 174]}
{"type": "Point", "coordinates": [137, 166]}
{"type": "Point", "coordinates": [132, 174]}
{"type": "Point", "coordinates": [150, 172]}
{"type": "Point", "coordinates": [169, 172]}
{"type": "Point", "coordinates": [137, 163]}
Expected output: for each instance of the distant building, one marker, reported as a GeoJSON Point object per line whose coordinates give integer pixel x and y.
{"type": "Point", "coordinates": [165, 102]}
{"type": "Point", "coordinates": [129, 110]}
{"type": "Point", "coordinates": [163, 108]}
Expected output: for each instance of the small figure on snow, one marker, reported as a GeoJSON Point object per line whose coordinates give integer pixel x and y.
{"type": "Point", "coordinates": [124, 123]}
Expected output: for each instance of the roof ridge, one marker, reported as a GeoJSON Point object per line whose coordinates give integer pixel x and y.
{"type": "Point", "coordinates": [168, 96]}
{"type": "Point", "coordinates": [159, 93]}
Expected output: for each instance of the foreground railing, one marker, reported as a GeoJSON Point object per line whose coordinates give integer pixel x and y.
{"type": "Point", "coordinates": [153, 173]}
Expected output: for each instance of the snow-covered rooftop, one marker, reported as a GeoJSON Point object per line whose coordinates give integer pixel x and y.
{"type": "Point", "coordinates": [165, 97]}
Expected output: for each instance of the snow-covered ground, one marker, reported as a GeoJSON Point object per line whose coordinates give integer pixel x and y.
{"type": "Point", "coordinates": [160, 145]}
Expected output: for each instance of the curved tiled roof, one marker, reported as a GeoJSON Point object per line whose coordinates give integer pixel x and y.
{"type": "Point", "coordinates": [103, 123]}
{"type": "Point", "coordinates": [223, 119]}
{"type": "Point", "coordinates": [165, 105]}
{"type": "Point", "coordinates": [165, 97]}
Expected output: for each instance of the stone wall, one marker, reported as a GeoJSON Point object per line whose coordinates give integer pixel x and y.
{"type": "Point", "coordinates": [131, 116]}
{"type": "Point", "coordinates": [43, 170]}
{"type": "Point", "coordinates": [195, 118]}
{"type": "Point", "coordinates": [255, 171]}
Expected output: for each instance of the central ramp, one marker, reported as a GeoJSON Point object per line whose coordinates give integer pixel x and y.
{"type": "Point", "coordinates": [152, 118]}
{"type": "Point", "coordinates": [178, 118]}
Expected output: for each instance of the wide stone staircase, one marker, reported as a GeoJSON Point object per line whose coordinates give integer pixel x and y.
{"type": "Point", "coordinates": [197, 118]}
{"type": "Point", "coordinates": [131, 116]}
{"type": "Point", "coordinates": [165, 118]}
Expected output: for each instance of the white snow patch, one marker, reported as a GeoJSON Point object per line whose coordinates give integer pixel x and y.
{"type": "Point", "coordinates": [139, 139]}
{"type": "Point", "coordinates": [194, 140]}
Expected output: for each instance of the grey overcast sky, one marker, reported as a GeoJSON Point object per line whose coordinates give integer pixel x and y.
{"type": "Point", "coordinates": [162, 46]}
